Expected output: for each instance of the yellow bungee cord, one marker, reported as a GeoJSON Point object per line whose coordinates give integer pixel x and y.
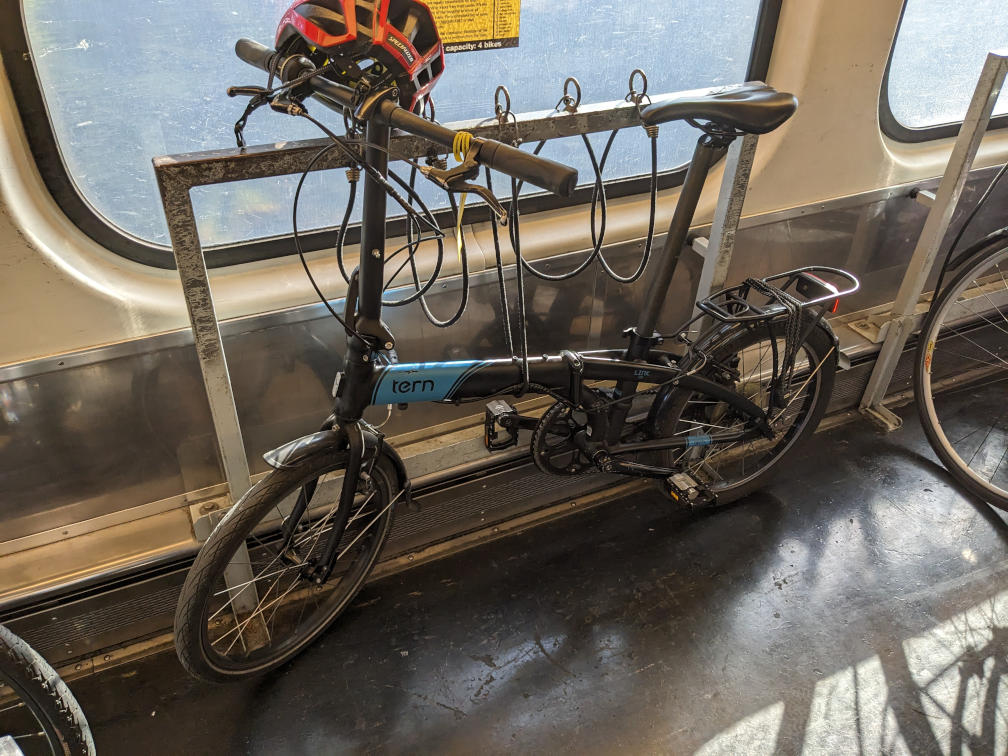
{"type": "Point", "coordinates": [460, 147]}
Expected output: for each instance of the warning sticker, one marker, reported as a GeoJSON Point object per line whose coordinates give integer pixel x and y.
{"type": "Point", "coordinates": [467, 25]}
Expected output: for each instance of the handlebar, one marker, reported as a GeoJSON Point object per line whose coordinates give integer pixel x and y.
{"type": "Point", "coordinates": [542, 172]}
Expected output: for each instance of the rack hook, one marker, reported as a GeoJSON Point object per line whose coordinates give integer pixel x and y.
{"type": "Point", "coordinates": [502, 111]}
{"type": "Point", "coordinates": [570, 103]}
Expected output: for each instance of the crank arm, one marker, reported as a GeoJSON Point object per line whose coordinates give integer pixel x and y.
{"type": "Point", "coordinates": [606, 463]}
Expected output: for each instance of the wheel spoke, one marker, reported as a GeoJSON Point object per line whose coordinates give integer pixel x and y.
{"type": "Point", "coordinates": [288, 606]}
{"type": "Point", "coordinates": [368, 526]}
{"type": "Point", "coordinates": [802, 388]}
{"type": "Point", "coordinates": [728, 464]}
{"type": "Point", "coordinates": [966, 331]}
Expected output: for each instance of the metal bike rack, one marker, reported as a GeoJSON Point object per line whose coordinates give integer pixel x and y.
{"type": "Point", "coordinates": [178, 174]}
{"type": "Point", "coordinates": [897, 326]}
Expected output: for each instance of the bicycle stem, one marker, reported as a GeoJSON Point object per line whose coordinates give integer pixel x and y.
{"type": "Point", "coordinates": [372, 247]}
{"type": "Point", "coordinates": [352, 393]}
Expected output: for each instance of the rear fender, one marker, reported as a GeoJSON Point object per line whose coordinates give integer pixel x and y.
{"type": "Point", "coordinates": [706, 343]}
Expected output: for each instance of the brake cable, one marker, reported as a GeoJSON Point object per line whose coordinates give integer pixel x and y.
{"type": "Point", "coordinates": [463, 261]}
{"type": "Point", "coordinates": [350, 330]}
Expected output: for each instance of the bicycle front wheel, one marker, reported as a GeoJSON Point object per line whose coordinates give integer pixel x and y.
{"type": "Point", "coordinates": [963, 355]}
{"type": "Point", "coordinates": [37, 710]}
{"type": "Point", "coordinates": [742, 357]}
{"type": "Point", "coordinates": [249, 602]}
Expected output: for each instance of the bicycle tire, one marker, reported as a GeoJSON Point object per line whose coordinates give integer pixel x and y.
{"type": "Point", "coordinates": [679, 413]}
{"type": "Point", "coordinates": [45, 696]}
{"type": "Point", "coordinates": [248, 523]}
{"type": "Point", "coordinates": [945, 348]}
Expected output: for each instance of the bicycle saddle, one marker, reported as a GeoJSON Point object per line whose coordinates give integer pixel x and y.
{"type": "Point", "coordinates": [753, 107]}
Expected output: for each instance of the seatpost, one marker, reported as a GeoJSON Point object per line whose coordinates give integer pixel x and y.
{"type": "Point", "coordinates": [708, 149]}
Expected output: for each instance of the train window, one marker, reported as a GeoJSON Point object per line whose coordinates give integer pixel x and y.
{"type": "Point", "coordinates": [939, 50]}
{"type": "Point", "coordinates": [123, 83]}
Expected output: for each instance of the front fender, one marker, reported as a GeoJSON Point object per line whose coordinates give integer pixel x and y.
{"type": "Point", "coordinates": [329, 441]}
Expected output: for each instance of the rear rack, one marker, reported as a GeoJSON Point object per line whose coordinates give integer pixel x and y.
{"type": "Point", "coordinates": [812, 285]}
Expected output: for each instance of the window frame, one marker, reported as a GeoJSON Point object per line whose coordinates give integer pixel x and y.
{"type": "Point", "coordinates": [30, 103]}
{"type": "Point", "coordinates": [893, 129]}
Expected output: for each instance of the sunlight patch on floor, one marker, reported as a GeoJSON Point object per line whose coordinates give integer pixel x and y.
{"type": "Point", "coordinates": [958, 668]}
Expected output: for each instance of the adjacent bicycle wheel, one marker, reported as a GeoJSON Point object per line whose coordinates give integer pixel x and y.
{"type": "Point", "coordinates": [37, 710]}
{"type": "Point", "coordinates": [248, 604]}
{"type": "Point", "coordinates": [742, 357]}
{"type": "Point", "coordinates": [963, 355]}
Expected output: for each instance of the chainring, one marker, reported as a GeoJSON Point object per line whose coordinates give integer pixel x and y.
{"type": "Point", "coordinates": [553, 449]}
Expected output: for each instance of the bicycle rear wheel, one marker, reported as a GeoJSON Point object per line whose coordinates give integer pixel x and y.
{"type": "Point", "coordinates": [742, 357]}
{"type": "Point", "coordinates": [963, 355]}
{"type": "Point", "coordinates": [248, 604]}
{"type": "Point", "coordinates": [37, 710]}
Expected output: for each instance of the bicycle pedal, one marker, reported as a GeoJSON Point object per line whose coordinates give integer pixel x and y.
{"type": "Point", "coordinates": [500, 425]}
{"type": "Point", "coordinates": [689, 492]}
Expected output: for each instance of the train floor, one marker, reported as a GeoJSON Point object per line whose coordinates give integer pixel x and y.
{"type": "Point", "coordinates": [857, 605]}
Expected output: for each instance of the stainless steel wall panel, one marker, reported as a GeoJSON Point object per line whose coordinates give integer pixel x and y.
{"type": "Point", "coordinates": [91, 433]}
{"type": "Point", "coordinates": [102, 437]}
{"type": "Point", "coordinates": [622, 303]}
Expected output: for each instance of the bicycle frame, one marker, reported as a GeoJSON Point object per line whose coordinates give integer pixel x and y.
{"type": "Point", "coordinates": [610, 407]}
{"type": "Point", "coordinates": [565, 374]}
{"type": "Point", "coordinates": [364, 382]}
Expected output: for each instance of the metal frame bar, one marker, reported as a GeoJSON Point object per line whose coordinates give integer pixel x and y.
{"type": "Point", "coordinates": [262, 161]}
{"type": "Point", "coordinates": [716, 250]}
{"type": "Point", "coordinates": [942, 205]}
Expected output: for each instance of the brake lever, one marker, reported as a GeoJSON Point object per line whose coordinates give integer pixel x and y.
{"type": "Point", "coordinates": [487, 196]}
{"type": "Point", "coordinates": [257, 98]}
{"type": "Point", "coordinates": [247, 91]}
{"type": "Point", "coordinates": [457, 181]}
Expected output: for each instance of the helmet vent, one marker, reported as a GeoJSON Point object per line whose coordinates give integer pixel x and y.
{"type": "Point", "coordinates": [332, 23]}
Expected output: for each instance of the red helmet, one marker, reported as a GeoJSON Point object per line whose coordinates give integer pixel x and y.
{"type": "Point", "coordinates": [399, 37]}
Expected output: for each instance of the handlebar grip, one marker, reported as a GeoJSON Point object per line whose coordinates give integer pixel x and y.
{"type": "Point", "coordinates": [543, 172]}
{"type": "Point", "coordinates": [254, 53]}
